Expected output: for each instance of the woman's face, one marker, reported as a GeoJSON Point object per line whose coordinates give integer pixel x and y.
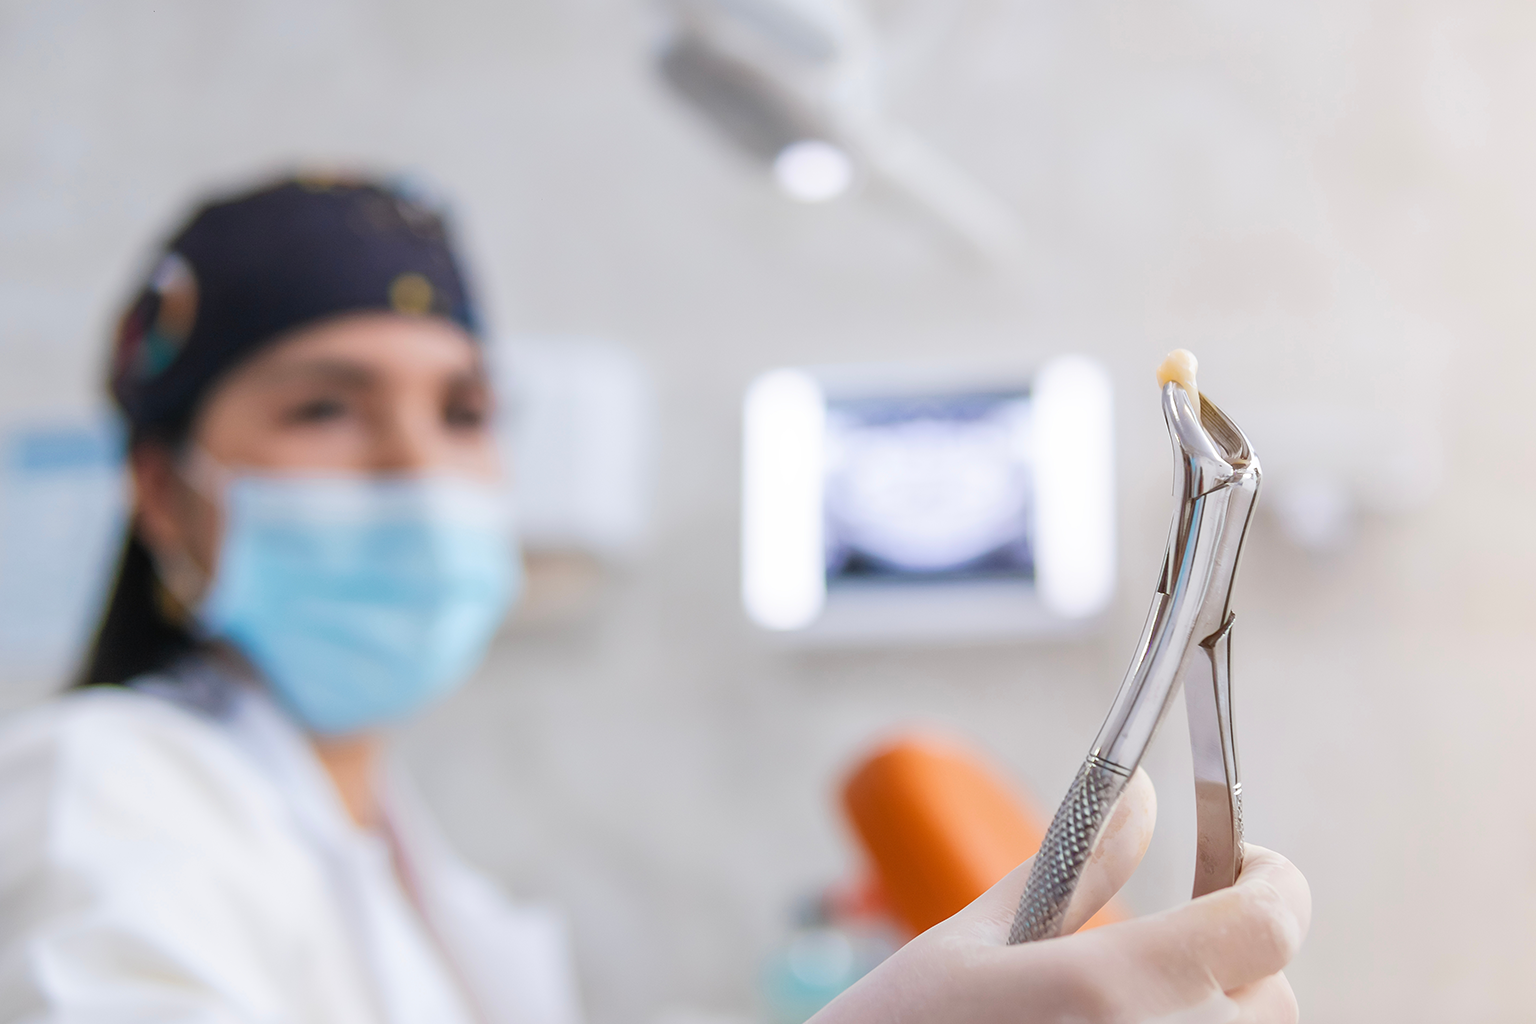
{"type": "Point", "coordinates": [369, 393]}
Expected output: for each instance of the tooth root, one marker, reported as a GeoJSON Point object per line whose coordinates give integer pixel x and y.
{"type": "Point", "coordinates": [1179, 366]}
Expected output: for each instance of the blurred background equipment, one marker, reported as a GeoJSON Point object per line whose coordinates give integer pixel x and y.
{"type": "Point", "coordinates": [1319, 491]}
{"type": "Point", "coordinates": [897, 504]}
{"type": "Point", "coordinates": [62, 504]}
{"type": "Point", "coordinates": [941, 827]}
{"type": "Point", "coordinates": [837, 937]}
{"type": "Point", "coordinates": [578, 420]}
{"type": "Point", "coordinates": [937, 825]}
{"type": "Point", "coordinates": [578, 426]}
{"type": "Point", "coordinates": [799, 86]}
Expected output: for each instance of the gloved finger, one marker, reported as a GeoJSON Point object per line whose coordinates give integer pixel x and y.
{"type": "Point", "coordinates": [1267, 1001]}
{"type": "Point", "coordinates": [1117, 853]}
{"type": "Point", "coordinates": [1232, 937]}
{"type": "Point", "coordinates": [1125, 840]}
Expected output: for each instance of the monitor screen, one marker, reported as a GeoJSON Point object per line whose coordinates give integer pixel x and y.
{"type": "Point", "coordinates": [933, 487]}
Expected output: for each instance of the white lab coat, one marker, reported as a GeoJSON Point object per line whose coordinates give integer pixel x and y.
{"type": "Point", "coordinates": [175, 852]}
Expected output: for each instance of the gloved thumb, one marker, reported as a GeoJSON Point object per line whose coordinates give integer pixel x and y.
{"type": "Point", "coordinates": [1113, 861]}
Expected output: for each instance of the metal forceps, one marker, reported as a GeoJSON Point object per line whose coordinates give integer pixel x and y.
{"type": "Point", "coordinates": [1186, 642]}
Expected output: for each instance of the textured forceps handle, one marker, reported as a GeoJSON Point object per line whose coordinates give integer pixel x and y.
{"type": "Point", "coordinates": [1064, 852]}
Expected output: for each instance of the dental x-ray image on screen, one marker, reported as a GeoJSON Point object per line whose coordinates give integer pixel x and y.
{"type": "Point", "coordinates": [928, 487]}
{"type": "Point", "coordinates": [895, 504]}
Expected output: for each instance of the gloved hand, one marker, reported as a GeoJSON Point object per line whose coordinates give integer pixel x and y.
{"type": "Point", "coordinates": [1215, 960]}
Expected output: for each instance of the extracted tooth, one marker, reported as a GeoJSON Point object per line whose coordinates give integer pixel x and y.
{"type": "Point", "coordinates": [1179, 366]}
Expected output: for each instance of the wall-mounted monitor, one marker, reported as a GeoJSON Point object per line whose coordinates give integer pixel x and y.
{"type": "Point", "coordinates": [889, 504]}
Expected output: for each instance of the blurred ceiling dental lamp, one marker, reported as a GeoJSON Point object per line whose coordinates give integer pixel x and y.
{"type": "Point", "coordinates": [813, 171]}
{"type": "Point", "coordinates": [886, 504]}
{"type": "Point", "coordinates": [793, 83]}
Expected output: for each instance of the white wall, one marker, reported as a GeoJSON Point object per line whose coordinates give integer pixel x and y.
{"type": "Point", "coordinates": [1329, 201]}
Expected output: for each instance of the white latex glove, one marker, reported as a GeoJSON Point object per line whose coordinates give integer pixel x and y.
{"type": "Point", "coordinates": [1214, 960]}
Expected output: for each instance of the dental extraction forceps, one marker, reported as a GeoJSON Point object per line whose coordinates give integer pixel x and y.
{"type": "Point", "coordinates": [1186, 641]}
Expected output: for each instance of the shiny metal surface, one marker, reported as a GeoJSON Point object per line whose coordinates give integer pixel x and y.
{"type": "Point", "coordinates": [1218, 790]}
{"type": "Point", "coordinates": [1065, 850]}
{"type": "Point", "coordinates": [1186, 641]}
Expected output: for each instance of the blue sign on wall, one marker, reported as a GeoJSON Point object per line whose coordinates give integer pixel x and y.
{"type": "Point", "coordinates": [62, 507]}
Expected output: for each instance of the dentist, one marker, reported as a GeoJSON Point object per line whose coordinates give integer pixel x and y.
{"type": "Point", "coordinates": [206, 830]}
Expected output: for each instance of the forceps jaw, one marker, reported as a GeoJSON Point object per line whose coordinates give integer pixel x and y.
{"type": "Point", "coordinates": [1205, 672]}
{"type": "Point", "coordinates": [1213, 749]}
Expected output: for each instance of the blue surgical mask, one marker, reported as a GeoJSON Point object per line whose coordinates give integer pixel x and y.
{"type": "Point", "coordinates": [360, 599]}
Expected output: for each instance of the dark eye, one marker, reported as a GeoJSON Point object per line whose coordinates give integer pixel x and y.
{"type": "Point", "coordinates": [317, 410]}
{"type": "Point", "coordinates": [465, 415]}
{"type": "Point", "coordinates": [467, 407]}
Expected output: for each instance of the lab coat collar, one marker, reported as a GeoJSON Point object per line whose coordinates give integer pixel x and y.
{"type": "Point", "coordinates": [360, 861]}
{"type": "Point", "coordinates": [512, 962]}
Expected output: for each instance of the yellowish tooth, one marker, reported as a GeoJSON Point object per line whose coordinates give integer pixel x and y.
{"type": "Point", "coordinates": [1179, 366]}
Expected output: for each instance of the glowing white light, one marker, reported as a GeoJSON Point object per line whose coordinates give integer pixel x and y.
{"type": "Point", "coordinates": [1074, 486]}
{"type": "Point", "coordinates": [813, 171]}
{"type": "Point", "coordinates": [783, 565]}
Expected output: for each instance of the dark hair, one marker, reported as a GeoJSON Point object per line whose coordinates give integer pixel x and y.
{"type": "Point", "coordinates": [138, 634]}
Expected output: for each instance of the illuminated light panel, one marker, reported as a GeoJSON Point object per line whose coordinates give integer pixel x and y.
{"type": "Point", "coordinates": [813, 171]}
{"type": "Point", "coordinates": [783, 576]}
{"type": "Point", "coordinates": [1075, 486]}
